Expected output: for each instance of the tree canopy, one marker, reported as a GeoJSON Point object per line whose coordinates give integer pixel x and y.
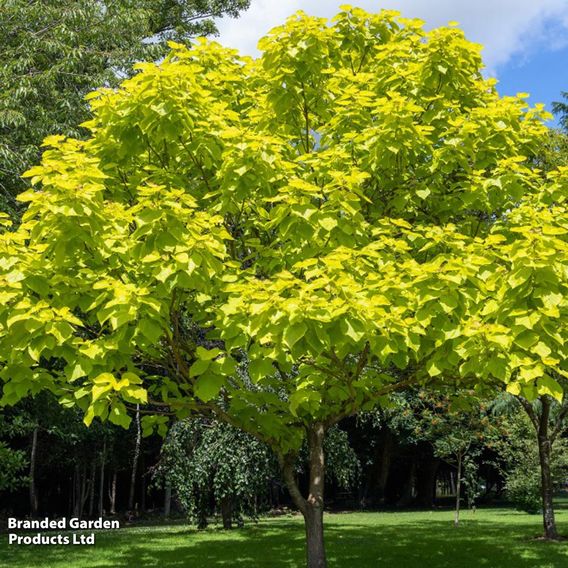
{"type": "Point", "coordinates": [284, 241]}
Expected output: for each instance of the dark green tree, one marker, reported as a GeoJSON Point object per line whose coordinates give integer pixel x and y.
{"type": "Point", "coordinates": [213, 467]}
{"type": "Point", "coordinates": [55, 51]}
{"type": "Point", "coordinates": [560, 109]}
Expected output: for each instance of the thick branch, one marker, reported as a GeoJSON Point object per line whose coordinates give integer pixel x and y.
{"type": "Point", "coordinates": [529, 410]}
{"type": "Point", "coordinates": [287, 463]}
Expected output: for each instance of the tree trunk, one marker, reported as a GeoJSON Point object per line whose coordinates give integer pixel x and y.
{"type": "Point", "coordinates": [386, 457]}
{"type": "Point", "coordinates": [167, 500]}
{"type": "Point", "coordinates": [458, 490]}
{"type": "Point", "coordinates": [547, 488]}
{"type": "Point", "coordinates": [312, 507]}
{"type": "Point", "coordinates": [112, 494]}
{"type": "Point", "coordinates": [315, 546]}
{"type": "Point", "coordinates": [142, 483]}
{"type": "Point", "coordinates": [80, 490]}
{"type": "Point", "coordinates": [102, 480]}
{"type": "Point", "coordinates": [227, 513]}
{"type": "Point", "coordinates": [135, 460]}
{"type": "Point", "coordinates": [92, 487]}
{"type": "Point", "coordinates": [77, 491]}
{"type": "Point", "coordinates": [408, 489]}
{"type": "Point", "coordinates": [84, 490]}
{"type": "Point", "coordinates": [33, 488]}
{"type": "Point", "coordinates": [426, 480]}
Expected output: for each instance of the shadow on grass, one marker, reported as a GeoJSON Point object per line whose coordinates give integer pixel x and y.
{"type": "Point", "coordinates": [279, 544]}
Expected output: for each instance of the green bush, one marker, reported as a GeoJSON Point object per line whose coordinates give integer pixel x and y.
{"type": "Point", "coordinates": [523, 489]}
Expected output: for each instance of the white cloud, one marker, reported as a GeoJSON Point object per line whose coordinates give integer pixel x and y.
{"type": "Point", "coordinates": [507, 28]}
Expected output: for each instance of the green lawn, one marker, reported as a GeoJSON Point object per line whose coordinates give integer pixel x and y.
{"type": "Point", "coordinates": [493, 537]}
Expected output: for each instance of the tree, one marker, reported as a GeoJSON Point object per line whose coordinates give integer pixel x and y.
{"type": "Point", "coordinates": [457, 433]}
{"type": "Point", "coordinates": [280, 243]}
{"type": "Point", "coordinates": [455, 424]}
{"type": "Point", "coordinates": [548, 417]}
{"type": "Point", "coordinates": [561, 108]}
{"type": "Point", "coordinates": [56, 51]}
{"type": "Point", "coordinates": [519, 456]}
{"type": "Point", "coordinates": [204, 461]}
{"type": "Point", "coordinates": [13, 463]}
{"type": "Point", "coordinates": [553, 153]}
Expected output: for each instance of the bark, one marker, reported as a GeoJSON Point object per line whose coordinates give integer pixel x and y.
{"type": "Point", "coordinates": [33, 488]}
{"type": "Point", "coordinates": [84, 490]}
{"type": "Point", "coordinates": [386, 458]}
{"type": "Point", "coordinates": [80, 490]}
{"type": "Point", "coordinates": [426, 480]}
{"type": "Point", "coordinates": [112, 495]}
{"type": "Point", "coordinates": [135, 460]}
{"type": "Point", "coordinates": [312, 507]}
{"type": "Point", "coordinates": [545, 440]}
{"type": "Point", "coordinates": [377, 478]}
{"type": "Point", "coordinates": [92, 487]}
{"type": "Point", "coordinates": [547, 488]}
{"type": "Point", "coordinates": [458, 490]}
{"type": "Point", "coordinates": [167, 500]}
{"type": "Point", "coordinates": [77, 491]}
{"type": "Point", "coordinates": [142, 483]}
{"type": "Point", "coordinates": [227, 513]}
{"type": "Point", "coordinates": [102, 480]}
{"type": "Point", "coordinates": [408, 489]}
{"type": "Point", "coordinates": [314, 513]}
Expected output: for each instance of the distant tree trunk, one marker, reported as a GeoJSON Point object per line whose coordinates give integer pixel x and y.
{"type": "Point", "coordinates": [374, 487]}
{"type": "Point", "coordinates": [458, 489]}
{"type": "Point", "coordinates": [80, 492]}
{"type": "Point", "coordinates": [426, 481]}
{"type": "Point", "coordinates": [84, 490]}
{"type": "Point", "coordinates": [76, 490]}
{"type": "Point", "coordinates": [102, 480]}
{"type": "Point", "coordinates": [452, 483]}
{"type": "Point", "coordinates": [112, 494]}
{"type": "Point", "coordinates": [167, 500]}
{"type": "Point", "coordinates": [386, 458]}
{"type": "Point", "coordinates": [92, 486]}
{"type": "Point", "coordinates": [227, 512]}
{"type": "Point", "coordinates": [408, 490]}
{"type": "Point", "coordinates": [312, 507]}
{"type": "Point", "coordinates": [545, 440]}
{"type": "Point", "coordinates": [135, 460]}
{"type": "Point", "coordinates": [549, 521]}
{"type": "Point", "coordinates": [33, 488]}
{"type": "Point", "coordinates": [202, 505]}
{"type": "Point", "coordinates": [547, 487]}
{"type": "Point", "coordinates": [142, 482]}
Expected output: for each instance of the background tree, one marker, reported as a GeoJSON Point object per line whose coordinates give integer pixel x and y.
{"type": "Point", "coordinates": [213, 467]}
{"type": "Point", "coordinates": [56, 51]}
{"type": "Point", "coordinates": [457, 430]}
{"type": "Point", "coordinates": [548, 418]}
{"type": "Point", "coordinates": [560, 108]}
{"type": "Point", "coordinates": [282, 243]}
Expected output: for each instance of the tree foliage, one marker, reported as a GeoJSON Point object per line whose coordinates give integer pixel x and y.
{"type": "Point", "coordinates": [211, 465]}
{"type": "Point", "coordinates": [561, 108]}
{"type": "Point", "coordinates": [12, 464]}
{"type": "Point", "coordinates": [56, 51]}
{"type": "Point", "coordinates": [328, 249]}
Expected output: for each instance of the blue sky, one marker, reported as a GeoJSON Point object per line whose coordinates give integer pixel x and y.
{"type": "Point", "coordinates": [543, 75]}
{"type": "Point", "coordinates": [525, 41]}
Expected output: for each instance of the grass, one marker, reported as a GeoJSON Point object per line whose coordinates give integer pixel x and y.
{"type": "Point", "coordinates": [493, 538]}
